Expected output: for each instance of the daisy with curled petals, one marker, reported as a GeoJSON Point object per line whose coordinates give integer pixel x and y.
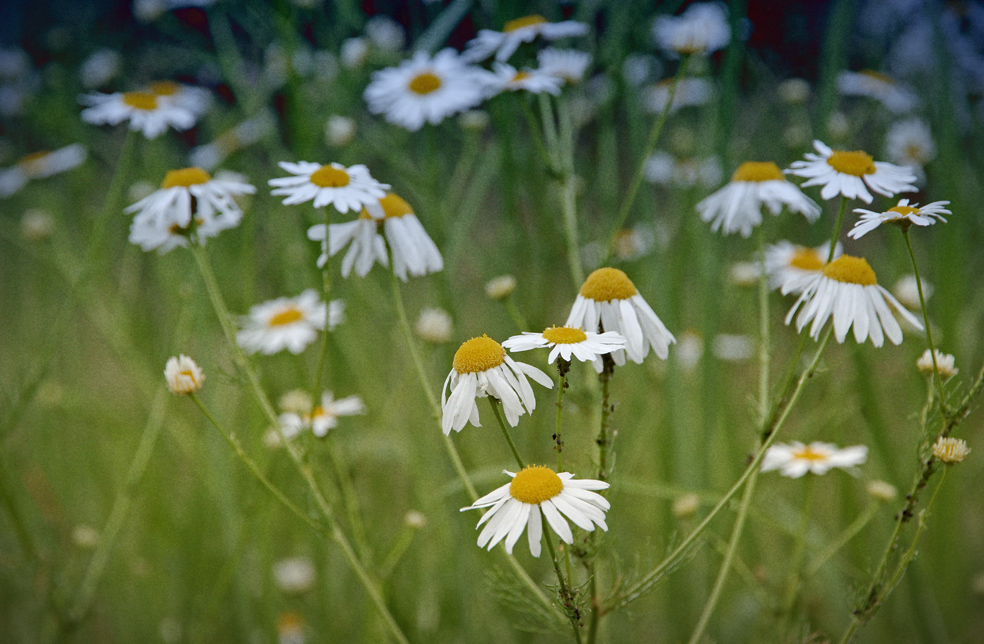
{"type": "Point", "coordinates": [146, 111]}
{"type": "Point", "coordinates": [426, 89]}
{"type": "Point", "coordinates": [508, 79]}
{"type": "Point", "coordinates": [903, 215]}
{"type": "Point", "coordinates": [481, 368]}
{"type": "Point", "coordinates": [566, 341]}
{"type": "Point", "coordinates": [350, 188]}
{"type": "Point", "coordinates": [515, 32]}
{"type": "Point", "coordinates": [796, 459]}
{"type": "Point", "coordinates": [609, 301]}
{"type": "Point", "coordinates": [737, 207]}
{"type": "Point", "coordinates": [851, 174]}
{"type": "Point", "coordinates": [791, 267]}
{"type": "Point", "coordinates": [847, 290]}
{"type": "Point", "coordinates": [40, 165]}
{"type": "Point", "coordinates": [289, 323]}
{"type": "Point", "coordinates": [534, 493]}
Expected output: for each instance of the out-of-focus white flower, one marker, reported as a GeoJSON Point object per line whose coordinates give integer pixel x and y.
{"type": "Point", "coordinates": [294, 575]}
{"type": "Point", "coordinates": [354, 53]}
{"type": "Point", "coordinates": [516, 32]}
{"type": "Point", "coordinates": [339, 130]}
{"type": "Point", "coordinates": [689, 349]}
{"type": "Point", "coordinates": [37, 225]}
{"type": "Point", "coordinates": [183, 375]}
{"type": "Point", "coordinates": [910, 143]}
{"type": "Point", "coordinates": [944, 362]}
{"type": "Point", "coordinates": [796, 459]}
{"type": "Point", "coordinates": [101, 67]}
{"type": "Point", "coordinates": [40, 165]}
{"type": "Point", "coordinates": [732, 348]}
{"type": "Point", "coordinates": [897, 98]}
{"type": "Point", "coordinates": [509, 79]}
{"type": "Point", "coordinates": [663, 169]}
{"type": "Point", "coordinates": [689, 92]}
{"type": "Point", "coordinates": [434, 326]}
{"type": "Point", "coordinates": [568, 64]}
{"type": "Point", "coordinates": [385, 33]}
{"type": "Point", "coordinates": [702, 29]}
{"type": "Point", "coordinates": [640, 68]}
{"type": "Point", "coordinates": [630, 244]}
{"type": "Point", "coordinates": [792, 267]}
{"type": "Point", "coordinates": [288, 323]}
{"type": "Point", "coordinates": [794, 91]}
{"type": "Point", "coordinates": [475, 120]}
{"type": "Point", "coordinates": [241, 135]}
{"type": "Point", "coordinates": [85, 536]}
{"type": "Point", "coordinates": [501, 287]}
{"type": "Point", "coordinates": [146, 112]}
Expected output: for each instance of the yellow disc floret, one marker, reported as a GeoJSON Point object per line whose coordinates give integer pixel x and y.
{"type": "Point", "coordinates": [535, 484]}
{"type": "Point", "coordinates": [904, 211]}
{"type": "Point", "coordinates": [805, 259]}
{"type": "Point", "coordinates": [478, 354]}
{"type": "Point", "coordinates": [285, 317]}
{"type": "Point", "coordinates": [758, 171]}
{"type": "Point", "coordinates": [425, 83]}
{"type": "Point", "coordinates": [146, 101]}
{"type": "Point", "coordinates": [185, 177]}
{"type": "Point", "coordinates": [564, 335]}
{"type": "Point", "coordinates": [329, 177]}
{"type": "Point", "coordinates": [855, 163]}
{"type": "Point", "coordinates": [525, 21]}
{"type": "Point", "coordinates": [807, 454]}
{"type": "Point", "coordinates": [850, 270]}
{"type": "Point", "coordinates": [608, 284]}
{"type": "Point", "coordinates": [520, 76]}
{"type": "Point", "coordinates": [393, 206]}
{"type": "Point", "coordinates": [885, 78]}
{"type": "Point", "coordinates": [164, 88]}
{"type": "Point", "coordinates": [948, 450]}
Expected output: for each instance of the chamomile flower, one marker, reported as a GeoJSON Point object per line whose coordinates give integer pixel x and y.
{"type": "Point", "coordinates": [40, 165]}
{"type": "Point", "coordinates": [737, 207]}
{"type": "Point", "coordinates": [146, 112]}
{"type": "Point", "coordinates": [194, 99]}
{"type": "Point", "coordinates": [289, 323]}
{"type": "Point", "coordinates": [536, 492]}
{"type": "Point", "coordinates": [945, 362]}
{"type": "Point", "coordinates": [796, 459]}
{"type": "Point", "coordinates": [508, 79]}
{"type": "Point", "coordinates": [183, 375]}
{"type": "Point", "coordinates": [883, 88]}
{"type": "Point", "coordinates": [851, 174]}
{"type": "Point", "coordinates": [426, 89]}
{"type": "Point", "coordinates": [847, 290]}
{"type": "Point", "coordinates": [516, 32]}
{"type": "Point", "coordinates": [567, 341]}
{"type": "Point", "coordinates": [910, 143]}
{"type": "Point", "coordinates": [570, 65]}
{"type": "Point", "coordinates": [950, 450]}
{"type": "Point", "coordinates": [903, 215]}
{"type": "Point", "coordinates": [701, 29]}
{"type": "Point", "coordinates": [481, 368]}
{"type": "Point", "coordinates": [367, 245]}
{"type": "Point", "coordinates": [320, 419]}
{"type": "Point", "coordinates": [791, 267]}
{"type": "Point", "coordinates": [351, 188]}
{"type": "Point", "coordinates": [609, 301]}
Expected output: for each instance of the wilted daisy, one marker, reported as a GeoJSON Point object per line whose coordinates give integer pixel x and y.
{"type": "Point", "coordinates": [481, 367]}
{"type": "Point", "coordinates": [514, 33]}
{"type": "Point", "coordinates": [702, 29]}
{"type": "Point", "coordinates": [609, 301]}
{"type": "Point", "coordinates": [570, 65]}
{"type": "Point", "coordinates": [536, 492]}
{"type": "Point", "coordinates": [848, 174]}
{"type": "Point", "coordinates": [689, 92]}
{"type": "Point", "coordinates": [944, 362]}
{"type": "Point", "coordinates": [183, 375]}
{"type": "Point", "coordinates": [146, 111]}
{"type": "Point", "coordinates": [910, 143]}
{"type": "Point", "coordinates": [40, 165]}
{"type": "Point", "coordinates": [508, 79]}
{"type": "Point", "coordinates": [792, 267]}
{"type": "Point", "coordinates": [289, 323]}
{"type": "Point", "coordinates": [950, 450]}
{"type": "Point", "coordinates": [426, 89]}
{"type": "Point", "coordinates": [351, 188]}
{"type": "Point", "coordinates": [796, 459]}
{"type": "Point", "coordinates": [881, 87]}
{"type": "Point", "coordinates": [737, 207]}
{"type": "Point", "coordinates": [847, 290]}
{"type": "Point", "coordinates": [903, 215]}
{"type": "Point", "coordinates": [586, 346]}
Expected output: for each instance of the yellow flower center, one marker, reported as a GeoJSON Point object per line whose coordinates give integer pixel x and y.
{"type": "Point", "coordinates": [525, 21]}
{"type": "Point", "coordinates": [478, 354]}
{"type": "Point", "coordinates": [855, 163]}
{"type": "Point", "coordinates": [850, 270]}
{"type": "Point", "coordinates": [287, 316]}
{"type": "Point", "coordinates": [185, 177]}
{"type": "Point", "coordinates": [805, 259]}
{"type": "Point", "coordinates": [425, 83]}
{"type": "Point", "coordinates": [141, 100]}
{"type": "Point", "coordinates": [535, 484]}
{"type": "Point", "coordinates": [33, 157]}
{"type": "Point", "coordinates": [520, 76]}
{"type": "Point", "coordinates": [870, 73]}
{"type": "Point", "coordinates": [393, 206]}
{"type": "Point", "coordinates": [757, 171]}
{"type": "Point", "coordinates": [904, 211]}
{"type": "Point", "coordinates": [164, 88]}
{"type": "Point", "coordinates": [329, 177]}
{"type": "Point", "coordinates": [564, 335]}
{"type": "Point", "coordinates": [807, 454]}
{"type": "Point", "coordinates": [608, 284]}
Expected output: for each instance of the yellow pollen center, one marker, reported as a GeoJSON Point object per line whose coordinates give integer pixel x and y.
{"type": "Point", "coordinates": [520, 76]}
{"type": "Point", "coordinates": [425, 83]}
{"type": "Point", "coordinates": [478, 354]}
{"type": "Point", "coordinates": [870, 73]}
{"type": "Point", "coordinates": [564, 335]}
{"type": "Point", "coordinates": [185, 177]}
{"type": "Point", "coordinates": [608, 284]}
{"type": "Point", "coordinates": [164, 88]}
{"type": "Point", "coordinates": [757, 171]}
{"type": "Point", "coordinates": [856, 163]}
{"type": "Point", "coordinates": [535, 484]}
{"type": "Point", "coordinates": [141, 100]}
{"type": "Point", "coordinates": [850, 270]}
{"type": "Point", "coordinates": [393, 206]}
{"type": "Point", "coordinates": [904, 211]}
{"type": "Point", "coordinates": [807, 454]}
{"type": "Point", "coordinates": [329, 177]}
{"type": "Point", "coordinates": [187, 373]}
{"type": "Point", "coordinates": [34, 157]}
{"type": "Point", "coordinates": [287, 316]}
{"type": "Point", "coordinates": [525, 21]}
{"type": "Point", "coordinates": [806, 259]}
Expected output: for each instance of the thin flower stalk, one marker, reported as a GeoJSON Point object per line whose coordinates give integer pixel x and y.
{"type": "Point", "coordinates": [320, 376]}
{"type": "Point", "coordinates": [563, 367]}
{"type": "Point", "coordinates": [849, 533]}
{"type": "Point", "coordinates": [799, 549]}
{"type": "Point", "coordinates": [929, 333]}
{"type": "Point", "coordinates": [505, 432]}
{"type": "Point", "coordinates": [604, 440]}
{"type": "Point", "coordinates": [837, 229]}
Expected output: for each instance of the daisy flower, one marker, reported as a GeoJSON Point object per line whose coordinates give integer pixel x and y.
{"type": "Point", "coordinates": [944, 361]}
{"type": "Point", "coordinates": [848, 174]}
{"type": "Point", "coordinates": [737, 207]}
{"type": "Point", "coordinates": [568, 64]}
{"type": "Point", "coordinates": [791, 267]}
{"type": "Point", "coordinates": [146, 111]}
{"type": "Point", "coordinates": [507, 78]}
{"type": "Point", "coordinates": [881, 87]}
{"type": "Point", "coordinates": [609, 301]}
{"type": "Point", "coordinates": [40, 165]}
{"type": "Point", "coordinates": [322, 418]}
{"type": "Point", "coordinates": [289, 323]}
{"type": "Point", "coordinates": [910, 143]}
{"type": "Point", "coordinates": [350, 188]}
{"type": "Point", "coordinates": [701, 29]}
{"type": "Point", "coordinates": [480, 368]}
{"type": "Point", "coordinates": [903, 215]}
{"type": "Point", "coordinates": [950, 450]}
{"type": "Point", "coordinates": [847, 289]}
{"type": "Point", "coordinates": [183, 375]}
{"type": "Point", "coordinates": [566, 341]}
{"type": "Point", "coordinates": [689, 92]}
{"type": "Point", "coordinates": [194, 99]}
{"type": "Point", "coordinates": [535, 492]}
{"type": "Point", "coordinates": [796, 459]}
{"type": "Point", "coordinates": [516, 32]}
{"type": "Point", "coordinates": [426, 89]}
{"type": "Point", "coordinates": [663, 169]}
{"type": "Point", "coordinates": [367, 245]}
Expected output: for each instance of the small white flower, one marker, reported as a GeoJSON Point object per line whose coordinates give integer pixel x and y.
{"type": "Point", "coordinates": [294, 575]}
{"type": "Point", "coordinates": [508, 79]}
{"type": "Point", "coordinates": [101, 67]}
{"type": "Point", "coordinates": [351, 188]}
{"type": "Point", "coordinates": [567, 341]}
{"type": "Point", "coordinates": [354, 52]}
{"type": "Point", "coordinates": [339, 130]}
{"type": "Point", "coordinates": [183, 375]}
{"type": "Point", "coordinates": [689, 92]}
{"type": "Point", "coordinates": [950, 450]}
{"type": "Point", "coordinates": [796, 459]}
{"type": "Point", "coordinates": [288, 323]}
{"type": "Point", "coordinates": [568, 64]}
{"type": "Point", "coordinates": [194, 99]}
{"type": "Point", "coordinates": [385, 33]}
{"type": "Point", "coordinates": [944, 361]}
{"type": "Point", "coordinates": [516, 32]}
{"type": "Point", "coordinates": [146, 112]}
{"type": "Point", "coordinates": [902, 215]}
{"type": "Point", "coordinates": [792, 267]}
{"type": "Point", "coordinates": [325, 416]}
{"type": "Point", "coordinates": [434, 326]}
{"type": "Point", "coordinates": [910, 143]}
{"type": "Point", "coordinates": [501, 287]}
{"type": "Point", "coordinates": [732, 347]}
{"type": "Point", "coordinates": [702, 29]}
{"type": "Point", "coordinates": [884, 89]}
{"type": "Point", "coordinates": [663, 169]}
{"type": "Point", "coordinates": [537, 492]}
{"type": "Point", "coordinates": [851, 174]}
{"type": "Point", "coordinates": [40, 165]}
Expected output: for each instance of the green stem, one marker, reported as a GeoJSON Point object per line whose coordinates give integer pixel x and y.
{"type": "Point", "coordinates": [505, 432]}
{"type": "Point", "coordinates": [111, 207]}
{"type": "Point", "coordinates": [514, 313]}
{"type": "Point", "coordinates": [799, 549]}
{"type": "Point", "coordinates": [566, 596]}
{"type": "Point", "coordinates": [326, 332]}
{"type": "Point", "coordinates": [561, 148]}
{"type": "Point", "coordinates": [603, 440]}
{"type": "Point", "coordinates": [849, 533]}
{"type": "Point", "coordinates": [837, 229]}
{"type": "Point", "coordinates": [929, 333]}
{"type": "Point", "coordinates": [563, 366]}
